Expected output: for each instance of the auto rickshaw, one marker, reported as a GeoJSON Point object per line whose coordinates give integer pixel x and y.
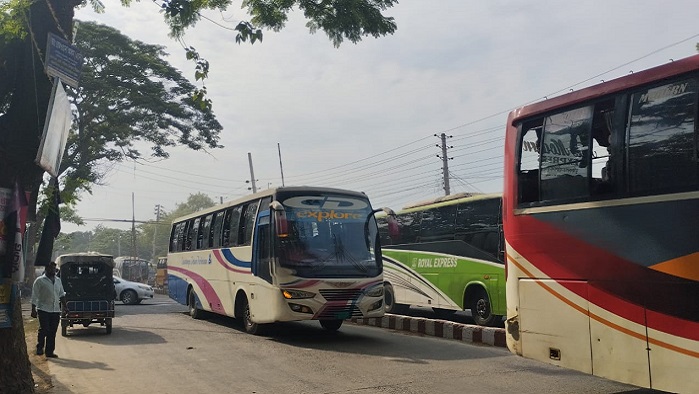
{"type": "Point", "coordinates": [87, 281]}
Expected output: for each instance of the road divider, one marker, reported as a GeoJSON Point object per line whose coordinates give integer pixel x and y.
{"type": "Point", "coordinates": [438, 328]}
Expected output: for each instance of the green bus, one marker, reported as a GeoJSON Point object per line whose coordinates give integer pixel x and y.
{"type": "Point", "coordinates": [448, 255]}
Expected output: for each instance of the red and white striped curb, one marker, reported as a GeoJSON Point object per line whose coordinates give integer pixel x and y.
{"type": "Point", "coordinates": [438, 328]}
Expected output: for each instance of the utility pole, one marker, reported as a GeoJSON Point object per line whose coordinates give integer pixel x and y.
{"type": "Point", "coordinates": [445, 161]}
{"type": "Point", "coordinates": [133, 225]}
{"type": "Point", "coordinates": [252, 174]}
{"type": "Point", "coordinates": [279, 149]}
{"type": "Point", "coordinates": [155, 228]}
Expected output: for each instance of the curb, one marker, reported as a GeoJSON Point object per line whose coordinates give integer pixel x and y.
{"type": "Point", "coordinates": [438, 328]}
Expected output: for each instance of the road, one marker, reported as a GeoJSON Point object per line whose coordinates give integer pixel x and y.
{"type": "Point", "coordinates": [156, 347]}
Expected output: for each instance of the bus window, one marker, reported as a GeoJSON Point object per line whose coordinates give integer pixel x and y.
{"type": "Point", "coordinates": [602, 127]}
{"type": "Point", "coordinates": [564, 170]}
{"type": "Point", "coordinates": [247, 222]}
{"type": "Point", "coordinates": [662, 150]}
{"type": "Point", "coordinates": [217, 229]}
{"type": "Point", "coordinates": [230, 226]}
{"type": "Point", "coordinates": [205, 233]}
{"type": "Point", "coordinates": [183, 239]}
{"type": "Point", "coordinates": [175, 237]}
{"type": "Point", "coordinates": [529, 162]}
{"type": "Point", "coordinates": [192, 239]}
{"type": "Point", "coordinates": [409, 227]}
{"type": "Point", "coordinates": [438, 223]}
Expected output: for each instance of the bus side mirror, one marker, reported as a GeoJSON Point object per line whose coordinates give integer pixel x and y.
{"type": "Point", "coordinates": [281, 225]}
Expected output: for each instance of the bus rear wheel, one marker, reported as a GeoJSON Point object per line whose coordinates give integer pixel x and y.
{"type": "Point", "coordinates": [331, 325]}
{"type": "Point", "coordinates": [481, 311]}
{"type": "Point", "coordinates": [194, 312]}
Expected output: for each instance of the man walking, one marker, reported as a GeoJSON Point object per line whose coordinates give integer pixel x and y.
{"type": "Point", "coordinates": [48, 297]}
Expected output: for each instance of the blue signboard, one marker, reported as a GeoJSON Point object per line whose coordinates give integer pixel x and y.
{"type": "Point", "coordinates": [6, 289]}
{"type": "Point", "coordinates": [63, 60]}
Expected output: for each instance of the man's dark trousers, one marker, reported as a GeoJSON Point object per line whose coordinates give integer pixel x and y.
{"type": "Point", "coordinates": [48, 325]}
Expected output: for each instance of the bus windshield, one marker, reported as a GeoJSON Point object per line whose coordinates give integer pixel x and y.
{"type": "Point", "coordinates": [328, 236]}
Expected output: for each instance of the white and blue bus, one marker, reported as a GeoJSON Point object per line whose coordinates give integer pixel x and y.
{"type": "Point", "coordinates": [284, 254]}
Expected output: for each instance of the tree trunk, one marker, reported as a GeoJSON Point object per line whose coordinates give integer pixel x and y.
{"type": "Point", "coordinates": [16, 376]}
{"type": "Point", "coordinates": [21, 128]}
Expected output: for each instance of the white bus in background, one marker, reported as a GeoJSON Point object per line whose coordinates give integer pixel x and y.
{"type": "Point", "coordinates": [134, 269]}
{"type": "Point", "coordinates": [284, 254]}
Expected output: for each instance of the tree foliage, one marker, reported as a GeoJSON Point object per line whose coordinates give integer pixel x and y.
{"type": "Point", "coordinates": [129, 95]}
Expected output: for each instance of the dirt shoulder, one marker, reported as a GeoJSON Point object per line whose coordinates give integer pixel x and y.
{"type": "Point", "coordinates": [40, 368]}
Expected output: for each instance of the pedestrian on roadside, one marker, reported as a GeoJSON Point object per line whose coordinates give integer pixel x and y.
{"type": "Point", "coordinates": [48, 299]}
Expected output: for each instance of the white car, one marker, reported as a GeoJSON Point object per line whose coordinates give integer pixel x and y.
{"type": "Point", "coordinates": [132, 292]}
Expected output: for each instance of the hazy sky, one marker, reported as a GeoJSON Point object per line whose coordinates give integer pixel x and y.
{"type": "Point", "coordinates": [364, 116]}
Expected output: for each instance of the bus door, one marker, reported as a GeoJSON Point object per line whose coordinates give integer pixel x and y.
{"type": "Point", "coordinates": [262, 253]}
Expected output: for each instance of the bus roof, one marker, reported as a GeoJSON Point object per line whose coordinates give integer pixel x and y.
{"type": "Point", "coordinates": [449, 200]}
{"type": "Point", "coordinates": [265, 193]}
{"type": "Point", "coordinates": [668, 70]}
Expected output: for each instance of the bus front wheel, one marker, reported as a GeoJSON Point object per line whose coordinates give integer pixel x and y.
{"type": "Point", "coordinates": [481, 311]}
{"type": "Point", "coordinates": [389, 301]}
{"type": "Point", "coordinates": [249, 326]}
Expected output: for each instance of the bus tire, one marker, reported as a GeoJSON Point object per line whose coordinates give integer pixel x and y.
{"type": "Point", "coordinates": [249, 326]}
{"type": "Point", "coordinates": [389, 301]}
{"type": "Point", "coordinates": [331, 325]}
{"type": "Point", "coordinates": [194, 312]}
{"type": "Point", "coordinates": [481, 310]}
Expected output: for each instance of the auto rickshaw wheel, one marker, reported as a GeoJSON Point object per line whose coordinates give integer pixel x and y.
{"type": "Point", "coordinates": [108, 324]}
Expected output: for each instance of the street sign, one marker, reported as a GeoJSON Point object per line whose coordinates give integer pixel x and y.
{"type": "Point", "coordinates": [63, 60]}
{"type": "Point", "coordinates": [6, 289]}
{"type": "Point", "coordinates": [59, 119]}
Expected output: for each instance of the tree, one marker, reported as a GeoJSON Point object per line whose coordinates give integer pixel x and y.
{"type": "Point", "coordinates": [25, 88]}
{"type": "Point", "coordinates": [128, 94]}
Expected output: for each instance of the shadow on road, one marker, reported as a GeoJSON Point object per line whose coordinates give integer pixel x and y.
{"type": "Point", "coordinates": [353, 339]}
{"type": "Point", "coordinates": [126, 336]}
{"type": "Point", "coordinates": [79, 364]}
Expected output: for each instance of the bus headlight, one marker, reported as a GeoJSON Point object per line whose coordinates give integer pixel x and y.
{"type": "Point", "coordinates": [378, 304]}
{"type": "Point", "coordinates": [292, 294]}
{"type": "Point", "coordinates": [376, 291]}
{"type": "Point", "coordinates": [300, 308]}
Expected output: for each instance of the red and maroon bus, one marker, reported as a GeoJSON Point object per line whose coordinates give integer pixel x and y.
{"type": "Point", "coordinates": [601, 221]}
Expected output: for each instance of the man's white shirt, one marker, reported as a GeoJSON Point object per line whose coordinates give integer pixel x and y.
{"type": "Point", "coordinates": [46, 295]}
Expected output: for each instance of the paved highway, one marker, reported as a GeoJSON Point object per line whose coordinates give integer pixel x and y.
{"type": "Point", "coordinates": [156, 347]}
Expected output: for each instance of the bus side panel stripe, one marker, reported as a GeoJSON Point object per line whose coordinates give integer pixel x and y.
{"type": "Point", "coordinates": [603, 320]}
{"type": "Point", "coordinates": [209, 293]}
{"type": "Point", "coordinates": [225, 257]}
{"type": "Point", "coordinates": [554, 246]}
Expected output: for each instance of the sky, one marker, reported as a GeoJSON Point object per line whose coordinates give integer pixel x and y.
{"type": "Point", "coordinates": [369, 116]}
